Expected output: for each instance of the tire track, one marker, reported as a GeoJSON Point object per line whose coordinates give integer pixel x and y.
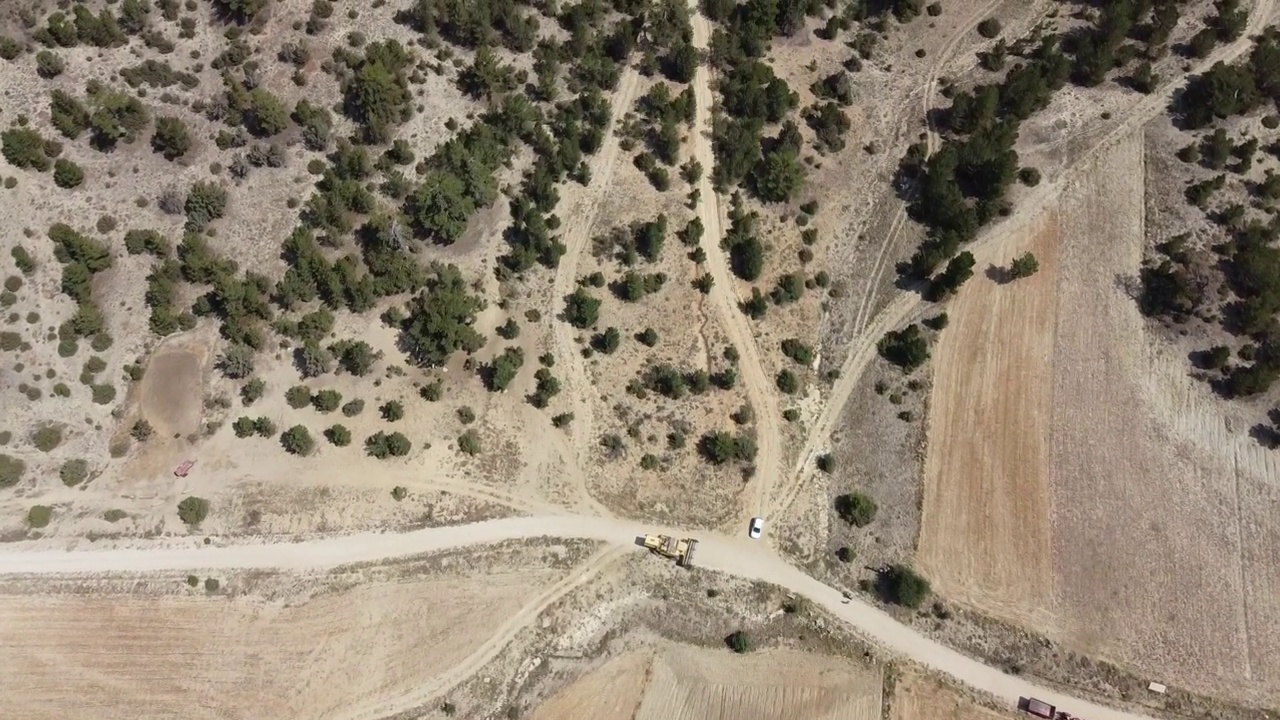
{"type": "Point", "coordinates": [862, 347]}
{"type": "Point", "coordinates": [492, 647]}
{"type": "Point", "coordinates": [577, 235]}
{"type": "Point", "coordinates": [751, 370]}
{"type": "Point", "coordinates": [932, 140]}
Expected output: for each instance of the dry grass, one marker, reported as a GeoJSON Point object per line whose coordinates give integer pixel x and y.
{"type": "Point", "coordinates": [131, 656]}
{"type": "Point", "coordinates": [920, 697]}
{"type": "Point", "coordinates": [986, 498]}
{"type": "Point", "coordinates": [684, 683]}
{"type": "Point", "coordinates": [1161, 559]}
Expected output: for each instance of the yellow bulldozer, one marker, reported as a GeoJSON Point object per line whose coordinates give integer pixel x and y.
{"type": "Point", "coordinates": [679, 549]}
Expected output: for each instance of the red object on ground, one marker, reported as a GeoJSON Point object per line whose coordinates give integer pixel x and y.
{"type": "Point", "coordinates": [184, 468]}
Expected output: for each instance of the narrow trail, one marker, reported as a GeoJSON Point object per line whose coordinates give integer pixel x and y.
{"type": "Point", "coordinates": [576, 236]}
{"type": "Point", "coordinates": [732, 555]}
{"type": "Point", "coordinates": [750, 369]}
{"type": "Point", "coordinates": [908, 302]}
{"type": "Point", "coordinates": [491, 648]}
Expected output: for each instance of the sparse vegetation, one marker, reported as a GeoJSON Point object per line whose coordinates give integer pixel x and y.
{"type": "Point", "coordinates": [193, 510]}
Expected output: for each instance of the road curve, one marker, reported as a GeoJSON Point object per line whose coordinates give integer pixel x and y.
{"type": "Point", "coordinates": [735, 556]}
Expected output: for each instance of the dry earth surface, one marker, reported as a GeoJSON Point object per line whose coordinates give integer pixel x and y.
{"type": "Point", "coordinates": [1104, 481]}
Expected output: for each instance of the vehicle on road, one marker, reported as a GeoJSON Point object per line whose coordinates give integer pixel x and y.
{"type": "Point", "coordinates": [756, 529]}
{"type": "Point", "coordinates": [1039, 708]}
{"type": "Point", "coordinates": [668, 546]}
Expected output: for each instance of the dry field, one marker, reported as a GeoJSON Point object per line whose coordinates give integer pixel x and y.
{"type": "Point", "coordinates": [684, 683]}
{"type": "Point", "coordinates": [920, 697]}
{"type": "Point", "coordinates": [986, 498]}
{"type": "Point", "coordinates": [358, 643]}
{"type": "Point", "coordinates": [1160, 558]}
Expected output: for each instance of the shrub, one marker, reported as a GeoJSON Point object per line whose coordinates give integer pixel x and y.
{"type": "Point", "coordinates": [432, 391]}
{"type": "Point", "coordinates": [297, 440]}
{"type": "Point", "coordinates": [244, 426]}
{"type": "Point", "coordinates": [171, 138]}
{"type": "Point", "coordinates": [47, 438]}
{"type": "Point", "coordinates": [236, 362]}
{"type": "Point", "coordinates": [353, 408]}
{"type": "Point", "coordinates": [66, 174]}
{"type": "Point", "coordinates": [39, 516]}
{"type": "Point", "coordinates": [989, 28]}
{"type": "Point", "coordinates": [738, 641]}
{"type": "Point", "coordinates": [901, 585]}
{"type": "Point", "coordinates": [141, 430]}
{"type": "Point", "coordinates": [114, 515]}
{"type": "Point", "coordinates": [24, 148]}
{"type": "Point", "coordinates": [252, 391]}
{"type": "Point", "coordinates": [193, 510]}
{"type": "Point", "coordinates": [797, 351]}
{"type": "Point", "coordinates": [469, 442]}
{"type": "Point", "coordinates": [22, 258]}
{"type": "Point", "coordinates": [326, 401]}
{"type": "Point", "coordinates": [298, 396]}
{"type": "Point", "coordinates": [905, 348]}
{"type": "Point", "coordinates": [787, 382]}
{"type": "Point", "coordinates": [936, 322]}
{"type": "Point", "coordinates": [104, 394]}
{"type": "Point", "coordinates": [49, 65]}
{"type": "Point", "coordinates": [826, 463]}
{"type": "Point", "coordinates": [382, 445]}
{"type": "Point", "coordinates": [73, 472]}
{"type": "Point", "coordinates": [11, 470]}
{"type": "Point", "coordinates": [1024, 265]}
{"type": "Point", "coordinates": [856, 509]}
{"type": "Point", "coordinates": [392, 411]}
{"type": "Point", "coordinates": [338, 435]}
{"type": "Point", "coordinates": [399, 493]}
{"type": "Point", "coordinates": [205, 203]}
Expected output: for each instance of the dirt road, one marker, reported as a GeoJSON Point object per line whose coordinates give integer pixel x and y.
{"type": "Point", "coordinates": [736, 556]}
{"type": "Point", "coordinates": [750, 369]}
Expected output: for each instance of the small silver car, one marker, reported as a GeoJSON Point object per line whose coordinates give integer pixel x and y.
{"type": "Point", "coordinates": [756, 529]}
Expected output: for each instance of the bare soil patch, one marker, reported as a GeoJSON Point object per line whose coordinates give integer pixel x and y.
{"type": "Point", "coordinates": [132, 656]}
{"type": "Point", "coordinates": [919, 697]}
{"type": "Point", "coordinates": [986, 497]}
{"type": "Point", "coordinates": [689, 683]}
{"type": "Point", "coordinates": [172, 390]}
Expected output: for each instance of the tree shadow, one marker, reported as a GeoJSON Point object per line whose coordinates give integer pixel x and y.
{"type": "Point", "coordinates": [999, 275]}
{"type": "Point", "coordinates": [1266, 435]}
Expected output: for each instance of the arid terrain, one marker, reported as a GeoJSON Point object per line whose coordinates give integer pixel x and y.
{"type": "Point", "coordinates": [353, 352]}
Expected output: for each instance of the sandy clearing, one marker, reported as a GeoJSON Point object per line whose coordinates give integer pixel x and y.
{"type": "Point", "coordinates": [172, 392]}
{"type": "Point", "coordinates": [919, 697]}
{"type": "Point", "coordinates": [133, 657]}
{"type": "Point", "coordinates": [985, 531]}
{"type": "Point", "coordinates": [612, 691]}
